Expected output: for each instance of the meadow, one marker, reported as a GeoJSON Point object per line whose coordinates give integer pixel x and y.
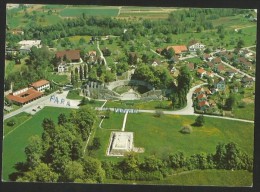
{"type": "Point", "coordinates": [15, 142]}
{"type": "Point", "coordinates": [161, 136]}
{"type": "Point", "coordinates": [73, 12]}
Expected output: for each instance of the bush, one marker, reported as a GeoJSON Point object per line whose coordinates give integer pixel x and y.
{"type": "Point", "coordinates": [11, 123]}
{"type": "Point", "coordinates": [186, 129]}
{"type": "Point", "coordinates": [242, 104]}
{"type": "Point", "coordinates": [158, 113]}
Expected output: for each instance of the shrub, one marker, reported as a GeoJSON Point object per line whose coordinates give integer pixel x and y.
{"type": "Point", "coordinates": [242, 104]}
{"type": "Point", "coordinates": [11, 123]}
{"type": "Point", "coordinates": [186, 129]}
{"type": "Point", "coordinates": [158, 113]}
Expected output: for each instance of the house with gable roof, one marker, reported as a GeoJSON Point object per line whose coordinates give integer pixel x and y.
{"type": "Point", "coordinates": [194, 45]}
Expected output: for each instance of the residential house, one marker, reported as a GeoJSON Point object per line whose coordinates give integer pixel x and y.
{"type": "Point", "coordinates": [216, 60]}
{"type": "Point", "coordinates": [41, 85]}
{"type": "Point", "coordinates": [201, 72]}
{"type": "Point", "coordinates": [156, 63]}
{"type": "Point", "coordinates": [24, 96]}
{"type": "Point", "coordinates": [62, 67]}
{"type": "Point", "coordinates": [203, 105]}
{"type": "Point", "coordinates": [219, 84]}
{"type": "Point", "coordinates": [191, 66]}
{"type": "Point", "coordinates": [201, 97]}
{"type": "Point", "coordinates": [178, 49]}
{"type": "Point", "coordinates": [207, 57]}
{"type": "Point", "coordinates": [247, 81]}
{"type": "Point", "coordinates": [26, 45]}
{"type": "Point", "coordinates": [209, 74]}
{"type": "Point", "coordinates": [92, 53]}
{"type": "Point", "coordinates": [195, 45]}
{"type": "Point", "coordinates": [209, 65]}
{"type": "Point", "coordinates": [219, 68]}
{"type": "Point", "coordinates": [231, 72]}
{"type": "Point", "coordinates": [199, 91]}
{"type": "Point", "coordinates": [69, 56]}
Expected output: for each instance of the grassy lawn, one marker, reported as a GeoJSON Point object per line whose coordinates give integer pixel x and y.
{"type": "Point", "coordinates": [15, 143]}
{"type": "Point", "coordinates": [73, 12]}
{"type": "Point", "coordinates": [199, 177]}
{"type": "Point", "coordinates": [60, 79]}
{"type": "Point", "coordinates": [163, 133]}
{"type": "Point", "coordinates": [245, 113]}
{"type": "Point", "coordinates": [18, 119]}
{"type": "Point", "coordinates": [161, 136]}
{"type": "Point", "coordinates": [74, 94]}
{"type": "Point", "coordinates": [115, 123]}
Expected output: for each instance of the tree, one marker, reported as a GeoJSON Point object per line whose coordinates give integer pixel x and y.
{"type": "Point", "coordinates": [199, 121]}
{"type": "Point", "coordinates": [62, 119]}
{"type": "Point", "coordinates": [85, 71]}
{"type": "Point", "coordinates": [130, 163]}
{"type": "Point", "coordinates": [176, 160]}
{"type": "Point", "coordinates": [73, 171]}
{"type": "Point", "coordinates": [151, 163]}
{"type": "Point", "coordinates": [80, 72]}
{"type": "Point", "coordinates": [34, 151]}
{"type": "Point", "coordinates": [230, 102]}
{"type": "Point", "coordinates": [42, 173]}
{"type": "Point", "coordinates": [96, 143]}
{"type": "Point", "coordinates": [170, 53]}
{"type": "Point", "coordinates": [72, 78]}
{"type": "Point", "coordinates": [240, 43]}
{"type": "Point", "coordinates": [93, 169]}
{"type": "Point", "coordinates": [48, 126]}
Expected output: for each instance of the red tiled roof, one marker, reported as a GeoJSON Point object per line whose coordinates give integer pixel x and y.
{"type": "Point", "coordinates": [221, 67]}
{"type": "Point", "coordinates": [178, 48]}
{"type": "Point", "coordinates": [217, 60]}
{"type": "Point", "coordinates": [25, 97]}
{"type": "Point", "coordinates": [203, 103]}
{"type": "Point", "coordinates": [70, 54]}
{"type": "Point", "coordinates": [201, 96]}
{"type": "Point", "coordinates": [200, 70]}
{"type": "Point", "coordinates": [40, 83]}
{"type": "Point", "coordinates": [198, 90]}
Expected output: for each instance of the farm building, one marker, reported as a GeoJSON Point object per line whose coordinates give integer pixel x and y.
{"type": "Point", "coordinates": [70, 56]}
{"type": "Point", "coordinates": [195, 45]}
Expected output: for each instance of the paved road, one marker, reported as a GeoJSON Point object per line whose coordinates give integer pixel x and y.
{"type": "Point", "coordinates": [45, 101]}
{"type": "Point", "coordinates": [241, 72]}
{"type": "Point", "coordinates": [102, 56]}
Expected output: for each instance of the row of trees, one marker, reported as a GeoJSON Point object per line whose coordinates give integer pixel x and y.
{"type": "Point", "coordinates": [227, 156]}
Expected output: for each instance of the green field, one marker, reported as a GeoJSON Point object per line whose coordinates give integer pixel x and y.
{"type": "Point", "coordinates": [161, 136]}
{"type": "Point", "coordinates": [15, 142]}
{"type": "Point", "coordinates": [18, 119]}
{"type": "Point", "coordinates": [73, 12]}
{"type": "Point", "coordinates": [201, 178]}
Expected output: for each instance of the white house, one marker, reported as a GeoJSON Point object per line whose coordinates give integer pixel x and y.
{"type": "Point", "coordinates": [194, 46]}
{"type": "Point", "coordinates": [62, 67]}
{"type": "Point", "coordinates": [26, 45]}
{"type": "Point", "coordinates": [41, 85]}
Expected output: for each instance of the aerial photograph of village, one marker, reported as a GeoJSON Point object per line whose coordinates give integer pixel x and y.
{"type": "Point", "coordinates": [98, 94]}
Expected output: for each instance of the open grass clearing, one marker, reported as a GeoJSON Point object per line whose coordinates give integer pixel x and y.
{"type": "Point", "coordinates": [15, 143]}
{"type": "Point", "coordinates": [161, 136]}
{"type": "Point", "coordinates": [18, 120]}
{"type": "Point", "coordinates": [73, 12]}
{"type": "Point", "coordinates": [200, 178]}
